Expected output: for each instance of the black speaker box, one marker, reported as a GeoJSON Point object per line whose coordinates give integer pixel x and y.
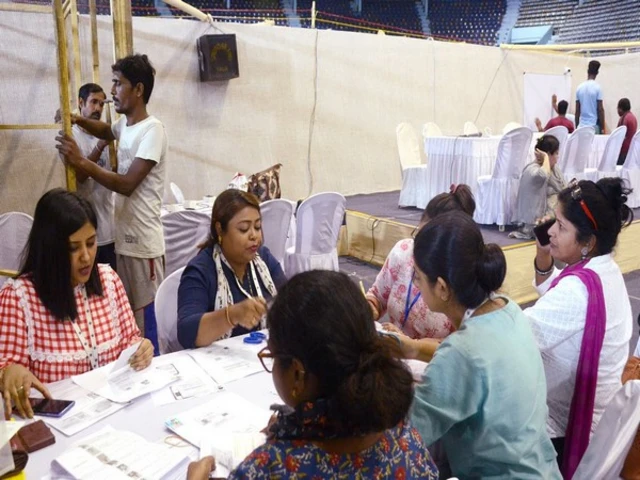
{"type": "Point", "coordinates": [218, 57]}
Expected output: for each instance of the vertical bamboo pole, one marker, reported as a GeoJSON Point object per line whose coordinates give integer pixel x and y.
{"type": "Point", "coordinates": [93, 12]}
{"type": "Point", "coordinates": [63, 83]}
{"type": "Point", "coordinates": [122, 30]}
{"type": "Point", "coordinates": [113, 160]}
{"type": "Point", "coordinates": [313, 14]}
{"type": "Point", "coordinates": [75, 45]}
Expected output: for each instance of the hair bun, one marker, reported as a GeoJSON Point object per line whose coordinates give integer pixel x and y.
{"type": "Point", "coordinates": [491, 268]}
{"type": "Point", "coordinates": [615, 191]}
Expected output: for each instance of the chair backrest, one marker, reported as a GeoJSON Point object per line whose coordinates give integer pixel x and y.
{"type": "Point", "coordinates": [510, 126]}
{"type": "Point", "coordinates": [470, 128]}
{"type": "Point", "coordinates": [166, 308]}
{"type": "Point", "coordinates": [612, 150]}
{"type": "Point", "coordinates": [561, 133]}
{"type": "Point", "coordinates": [577, 150]}
{"type": "Point", "coordinates": [178, 196]}
{"type": "Point", "coordinates": [613, 436]}
{"type": "Point", "coordinates": [430, 129]}
{"type": "Point", "coordinates": [319, 219]}
{"type": "Point", "coordinates": [276, 220]}
{"type": "Point", "coordinates": [512, 153]}
{"type": "Point", "coordinates": [633, 156]}
{"type": "Point", "coordinates": [14, 233]}
{"type": "Point", "coordinates": [408, 146]}
{"type": "Point", "coordinates": [183, 232]}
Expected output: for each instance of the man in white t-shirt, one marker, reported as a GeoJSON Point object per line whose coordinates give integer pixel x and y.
{"type": "Point", "coordinates": [91, 98]}
{"type": "Point", "coordinates": [139, 182]}
{"type": "Point", "coordinates": [589, 107]}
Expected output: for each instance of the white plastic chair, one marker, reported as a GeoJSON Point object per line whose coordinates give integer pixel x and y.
{"type": "Point", "coordinates": [414, 172]}
{"type": "Point", "coordinates": [178, 196]}
{"type": "Point", "coordinates": [561, 133]}
{"type": "Point", "coordinates": [276, 223]}
{"type": "Point", "coordinates": [611, 441]}
{"type": "Point", "coordinates": [14, 233]}
{"type": "Point", "coordinates": [576, 153]}
{"type": "Point", "coordinates": [319, 219]}
{"type": "Point", "coordinates": [607, 165]}
{"type": "Point", "coordinates": [470, 129]}
{"type": "Point", "coordinates": [497, 193]}
{"type": "Point", "coordinates": [510, 126]}
{"type": "Point", "coordinates": [630, 171]}
{"type": "Point", "coordinates": [183, 232]}
{"type": "Point", "coordinates": [166, 308]}
{"type": "Point", "coordinates": [430, 129]}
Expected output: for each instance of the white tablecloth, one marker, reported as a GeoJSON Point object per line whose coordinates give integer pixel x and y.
{"type": "Point", "coordinates": [456, 160]}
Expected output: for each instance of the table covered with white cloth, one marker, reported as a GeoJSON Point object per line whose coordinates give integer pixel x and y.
{"type": "Point", "coordinates": [146, 419]}
{"type": "Point", "coordinates": [456, 160]}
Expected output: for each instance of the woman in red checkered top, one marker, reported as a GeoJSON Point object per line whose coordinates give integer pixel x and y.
{"type": "Point", "coordinates": [64, 315]}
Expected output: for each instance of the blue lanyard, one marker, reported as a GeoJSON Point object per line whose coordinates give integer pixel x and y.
{"type": "Point", "coordinates": [407, 307]}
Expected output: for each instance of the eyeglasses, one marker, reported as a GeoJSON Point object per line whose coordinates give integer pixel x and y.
{"type": "Point", "coordinates": [576, 194]}
{"type": "Point", "coordinates": [267, 358]}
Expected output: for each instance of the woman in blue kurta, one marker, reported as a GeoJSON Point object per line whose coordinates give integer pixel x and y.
{"type": "Point", "coordinates": [224, 289]}
{"type": "Point", "coordinates": [483, 395]}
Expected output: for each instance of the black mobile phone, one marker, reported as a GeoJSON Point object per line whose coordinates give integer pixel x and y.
{"type": "Point", "coordinates": [50, 408]}
{"type": "Point", "coordinates": [542, 231]}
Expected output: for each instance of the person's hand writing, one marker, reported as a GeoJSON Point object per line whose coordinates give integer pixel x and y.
{"type": "Point", "coordinates": [69, 149]}
{"type": "Point", "coordinates": [390, 327]}
{"type": "Point", "coordinates": [143, 356]}
{"type": "Point", "coordinates": [201, 469]}
{"type": "Point", "coordinates": [17, 382]}
{"type": "Point", "coordinates": [248, 312]}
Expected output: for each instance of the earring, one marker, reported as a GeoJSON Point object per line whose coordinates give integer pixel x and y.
{"type": "Point", "coordinates": [584, 252]}
{"type": "Point", "coordinates": [219, 240]}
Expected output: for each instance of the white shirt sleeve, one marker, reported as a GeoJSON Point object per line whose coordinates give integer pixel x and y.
{"type": "Point", "coordinates": [152, 143]}
{"type": "Point", "coordinates": [559, 314]}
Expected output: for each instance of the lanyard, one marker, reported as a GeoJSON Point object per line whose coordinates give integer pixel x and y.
{"type": "Point", "coordinates": [91, 351]}
{"type": "Point", "coordinates": [253, 279]}
{"type": "Point", "coordinates": [407, 307]}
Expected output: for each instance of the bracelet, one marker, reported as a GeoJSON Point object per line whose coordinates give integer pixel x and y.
{"type": "Point", "coordinates": [226, 311]}
{"type": "Point", "coordinates": [543, 273]}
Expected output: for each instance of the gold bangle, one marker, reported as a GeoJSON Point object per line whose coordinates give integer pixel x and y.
{"type": "Point", "coordinates": [226, 311]}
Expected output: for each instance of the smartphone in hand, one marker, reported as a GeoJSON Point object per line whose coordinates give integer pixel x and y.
{"type": "Point", "coordinates": [542, 232]}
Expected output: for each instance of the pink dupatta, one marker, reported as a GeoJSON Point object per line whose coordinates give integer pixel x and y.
{"type": "Point", "coordinates": [584, 392]}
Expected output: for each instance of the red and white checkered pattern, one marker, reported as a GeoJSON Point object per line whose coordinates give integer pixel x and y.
{"type": "Point", "coordinates": [49, 348]}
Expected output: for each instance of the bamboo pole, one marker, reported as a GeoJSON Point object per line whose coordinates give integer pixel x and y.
{"type": "Point", "coordinates": [93, 12]}
{"type": "Point", "coordinates": [63, 83]}
{"type": "Point", "coordinates": [122, 32]}
{"type": "Point", "coordinates": [66, 9]}
{"type": "Point", "coordinates": [25, 7]}
{"type": "Point", "coordinates": [573, 46]}
{"type": "Point", "coordinates": [75, 45]}
{"type": "Point", "coordinates": [42, 126]}
{"type": "Point", "coordinates": [188, 9]}
{"type": "Point", "coordinates": [313, 14]}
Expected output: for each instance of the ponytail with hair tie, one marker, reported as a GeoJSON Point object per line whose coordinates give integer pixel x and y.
{"type": "Point", "coordinates": [453, 188]}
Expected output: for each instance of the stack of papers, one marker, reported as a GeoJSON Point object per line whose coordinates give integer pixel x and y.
{"type": "Point", "coordinates": [227, 364]}
{"type": "Point", "coordinates": [89, 408]}
{"type": "Point", "coordinates": [192, 380]}
{"type": "Point", "coordinates": [120, 455]}
{"type": "Point", "coordinates": [119, 383]}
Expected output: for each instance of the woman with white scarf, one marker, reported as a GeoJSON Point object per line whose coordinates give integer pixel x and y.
{"type": "Point", "coordinates": [224, 289]}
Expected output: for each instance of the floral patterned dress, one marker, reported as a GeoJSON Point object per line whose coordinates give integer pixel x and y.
{"type": "Point", "coordinates": [390, 290]}
{"type": "Point", "coordinates": [398, 455]}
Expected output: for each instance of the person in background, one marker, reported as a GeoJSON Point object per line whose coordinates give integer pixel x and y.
{"type": "Point", "coordinates": [347, 394]}
{"type": "Point", "coordinates": [589, 107]}
{"type": "Point", "coordinates": [394, 291]}
{"type": "Point", "coordinates": [224, 289]}
{"type": "Point", "coordinates": [560, 120]}
{"type": "Point", "coordinates": [91, 98]}
{"type": "Point", "coordinates": [139, 182]}
{"type": "Point", "coordinates": [540, 184]}
{"type": "Point", "coordinates": [64, 315]}
{"type": "Point", "coordinates": [589, 295]}
{"type": "Point", "coordinates": [482, 396]}
{"type": "Point", "coordinates": [629, 120]}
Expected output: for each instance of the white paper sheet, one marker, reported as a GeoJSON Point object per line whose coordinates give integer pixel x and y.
{"type": "Point", "coordinates": [192, 382]}
{"type": "Point", "coordinates": [112, 454]}
{"type": "Point", "coordinates": [125, 384]}
{"type": "Point", "coordinates": [227, 364]}
{"type": "Point", "coordinates": [226, 413]}
{"type": "Point", "coordinates": [123, 358]}
{"type": "Point", "coordinates": [90, 408]}
{"type": "Point", "coordinates": [228, 448]}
